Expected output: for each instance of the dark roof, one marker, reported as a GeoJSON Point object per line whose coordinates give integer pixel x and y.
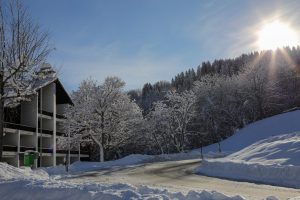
{"type": "Point", "coordinates": [62, 96]}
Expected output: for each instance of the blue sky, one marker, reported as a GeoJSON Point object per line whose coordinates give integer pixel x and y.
{"type": "Point", "coordinates": [150, 40]}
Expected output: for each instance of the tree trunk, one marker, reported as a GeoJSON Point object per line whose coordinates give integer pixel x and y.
{"type": "Point", "coordinates": [201, 152]}
{"type": "Point", "coordinates": [100, 143]}
{"type": "Point", "coordinates": [219, 144]}
{"type": "Point", "coordinates": [1, 128]}
{"type": "Point", "coordinates": [101, 149]}
{"type": "Point", "coordinates": [1, 116]}
{"type": "Point", "coordinates": [158, 144]}
{"type": "Point", "coordinates": [101, 158]}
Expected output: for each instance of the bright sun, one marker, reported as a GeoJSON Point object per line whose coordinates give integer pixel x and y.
{"type": "Point", "coordinates": [275, 35]}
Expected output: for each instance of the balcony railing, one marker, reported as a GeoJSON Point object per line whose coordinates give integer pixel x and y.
{"type": "Point", "coordinates": [50, 114]}
{"type": "Point", "coordinates": [13, 148]}
{"type": "Point", "coordinates": [18, 127]}
{"type": "Point", "coordinates": [30, 129]}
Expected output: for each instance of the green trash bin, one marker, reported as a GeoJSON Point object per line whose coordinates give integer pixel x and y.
{"type": "Point", "coordinates": [29, 157]}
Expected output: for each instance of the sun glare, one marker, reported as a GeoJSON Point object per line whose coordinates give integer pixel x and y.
{"type": "Point", "coordinates": [275, 35]}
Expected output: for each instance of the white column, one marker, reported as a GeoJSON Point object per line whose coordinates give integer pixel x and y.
{"type": "Point", "coordinates": [36, 136]}
{"type": "Point", "coordinates": [19, 145]}
{"type": "Point", "coordinates": [69, 146]}
{"type": "Point", "coordinates": [54, 123]}
{"type": "Point", "coordinates": [79, 151]}
{"type": "Point", "coordinates": [41, 128]}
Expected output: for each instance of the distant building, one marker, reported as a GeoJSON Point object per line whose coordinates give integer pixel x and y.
{"type": "Point", "coordinates": [37, 124]}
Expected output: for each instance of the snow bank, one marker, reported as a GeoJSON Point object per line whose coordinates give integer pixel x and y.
{"type": "Point", "coordinates": [26, 184]}
{"type": "Point", "coordinates": [272, 126]}
{"type": "Point", "coordinates": [8, 172]}
{"type": "Point", "coordinates": [273, 161]}
{"type": "Point", "coordinates": [131, 160]}
{"type": "Point", "coordinates": [176, 156]}
{"type": "Point", "coordinates": [58, 190]}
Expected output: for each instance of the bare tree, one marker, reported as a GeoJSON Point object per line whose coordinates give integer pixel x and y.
{"type": "Point", "coordinates": [23, 47]}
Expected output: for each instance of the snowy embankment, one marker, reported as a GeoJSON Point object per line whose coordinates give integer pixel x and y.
{"type": "Point", "coordinates": [277, 125]}
{"type": "Point", "coordinates": [128, 161]}
{"type": "Point", "coordinates": [26, 184]}
{"type": "Point", "coordinates": [8, 172]}
{"type": "Point", "coordinates": [274, 160]}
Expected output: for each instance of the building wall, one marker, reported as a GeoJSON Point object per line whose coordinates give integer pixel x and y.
{"type": "Point", "coordinates": [30, 117]}
{"type": "Point", "coordinates": [47, 161]}
{"type": "Point", "coordinates": [61, 108]}
{"type": "Point", "coordinates": [11, 160]}
{"type": "Point", "coordinates": [10, 139]}
{"type": "Point", "coordinates": [28, 112]}
{"type": "Point", "coordinates": [47, 97]}
{"type": "Point", "coordinates": [47, 124]}
{"type": "Point", "coordinates": [27, 140]}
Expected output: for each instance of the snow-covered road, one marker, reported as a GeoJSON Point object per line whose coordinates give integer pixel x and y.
{"type": "Point", "coordinates": [178, 176]}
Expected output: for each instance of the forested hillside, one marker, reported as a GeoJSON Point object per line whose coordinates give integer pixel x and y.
{"type": "Point", "coordinates": [289, 57]}
{"type": "Point", "coordinates": [197, 108]}
{"type": "Point", "coordinates": [229, 93]}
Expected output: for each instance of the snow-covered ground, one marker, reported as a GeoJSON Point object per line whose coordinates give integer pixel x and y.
{"type": "Point", "coordinates": [26, 184]}
{"type": "Point", "coordinates": [266, 151]}
{"type": "Point", "coordinates": [271, 159]}
{"type": "Point", "coordinates": [8, 172]}
{"type": "Point", "coordinates": [274, 160]}
{"type": "Point", "coordinates": [277, 125]}
{"type": "Point", "coordinates": [131, 160]}
{"type": "Point", "coordinates": [52, 190]}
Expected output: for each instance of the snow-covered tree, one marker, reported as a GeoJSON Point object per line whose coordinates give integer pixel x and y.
{"type": "Point", "coordinates": [104, 114]}
{"type": "Point", "coordinates": [170, 118]}
{"type": "Point", "coordinates": [159, 125]}
{"type": "Point", "coordinates": [23, 47]}
{"type": "Point", "coordinates": [219, 105]}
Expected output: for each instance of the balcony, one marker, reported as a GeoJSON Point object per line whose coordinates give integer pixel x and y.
{"type": "Point", "coordinates": [12, 148]}
{"type": "Point", "coordinates": [21, 127]}
{"type": "Point", "coordinates": [48, 115]}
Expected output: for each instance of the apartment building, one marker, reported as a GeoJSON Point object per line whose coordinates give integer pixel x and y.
{"type": "Point", "coordinates": [37, 125]}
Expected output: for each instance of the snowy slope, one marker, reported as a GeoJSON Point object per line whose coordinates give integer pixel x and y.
{"type": "Point", "coordinates": [280, 124]}
{"type": "Point", "coordinates": [279, 150]}
{"type": "Point", "coordinates": [274, 160]}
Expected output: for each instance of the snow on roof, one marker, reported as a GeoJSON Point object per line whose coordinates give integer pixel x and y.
{"type": "Point", "coordinates": [46, 76]}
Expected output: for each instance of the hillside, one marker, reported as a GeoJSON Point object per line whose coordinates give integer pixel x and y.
{"type": "Point", "coordinates": [279, 124]}
{"type": "Point", "coordinates": [266, 151]}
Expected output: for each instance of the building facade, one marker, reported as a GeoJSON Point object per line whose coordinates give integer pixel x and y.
{"type": "Point", "coordinates": [37, 125]}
